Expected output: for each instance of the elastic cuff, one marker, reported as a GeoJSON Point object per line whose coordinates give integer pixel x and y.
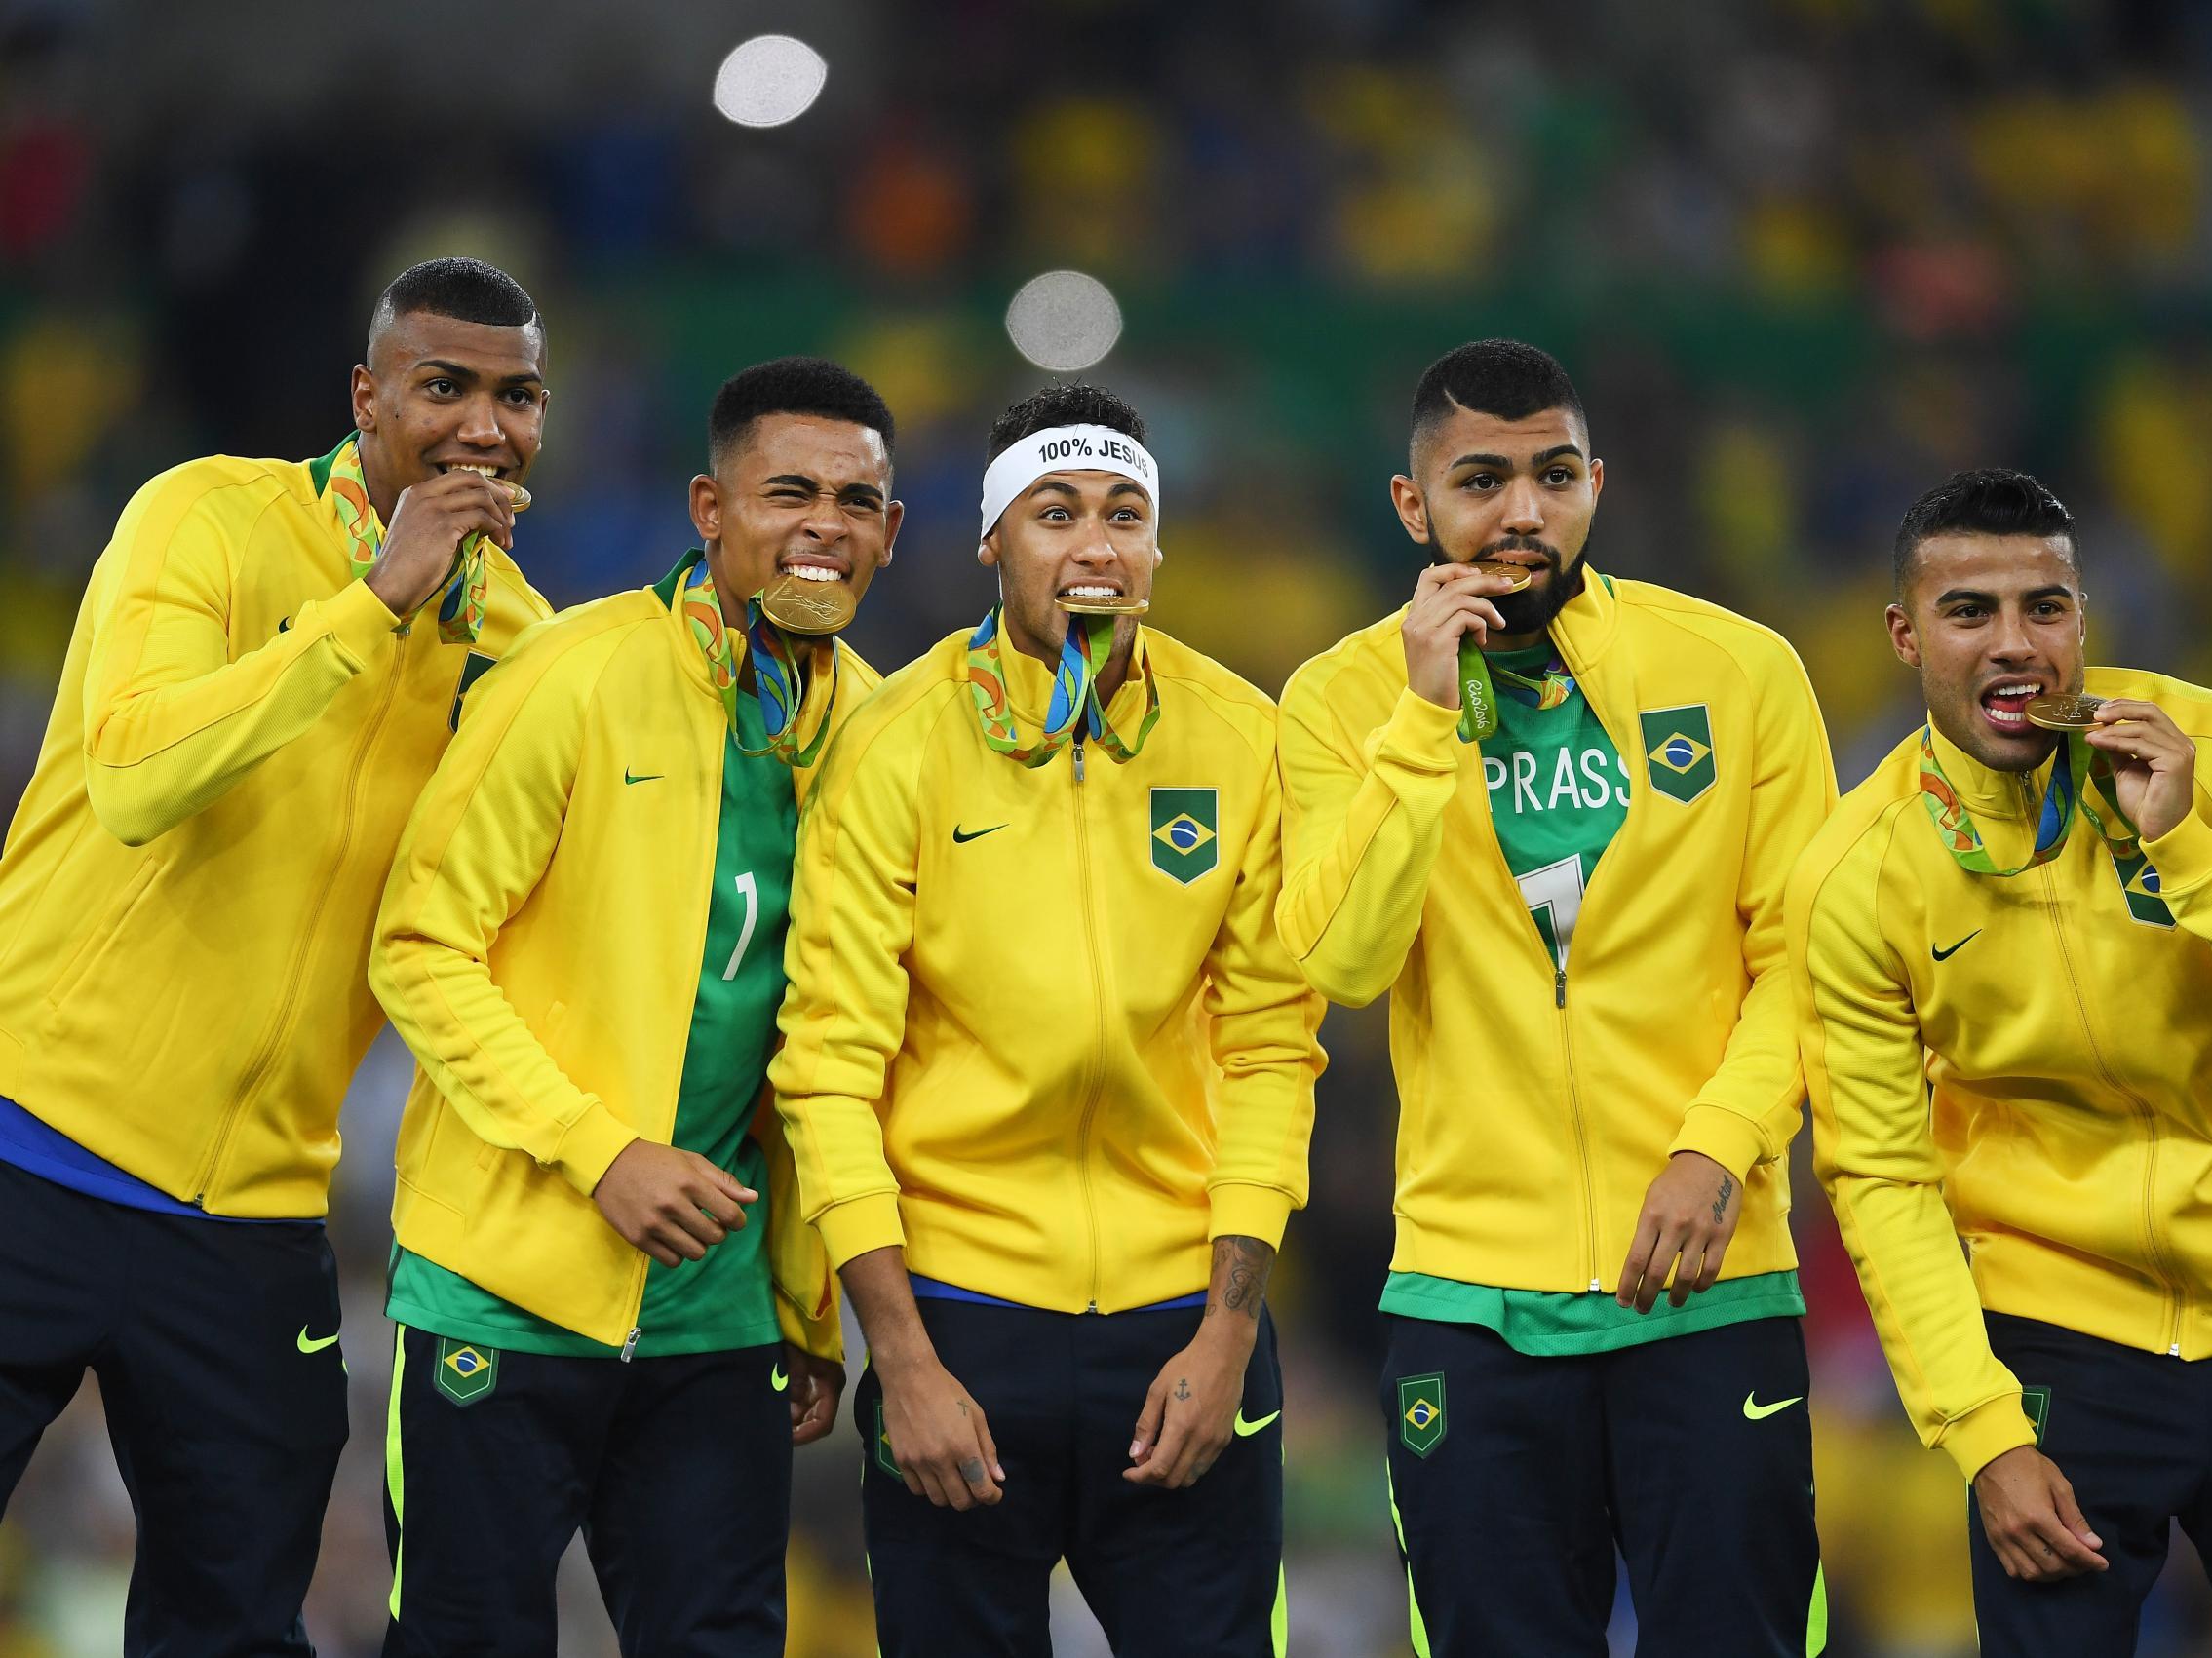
{"type": "Point", "coordinates": [1249, 1211]}
{"type": "Point", "coordinates": [595, 1139]}
{"type": "Point", "coordinates": [2184, 853]}
{"type": "Point", "coordinates": [358, 619]}
{"type": "Point", "coordinates": [1729, 1140]}
{"type": "Point", "coordinates": [1986, 1433]}
{"type": "Point", "coordinates": [1422, 734]}
{"type": "Point", "coordinates": [863, 1223]}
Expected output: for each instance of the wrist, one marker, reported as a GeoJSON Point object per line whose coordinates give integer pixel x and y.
{"type": "Point", "coordinates": [1230, 1330]}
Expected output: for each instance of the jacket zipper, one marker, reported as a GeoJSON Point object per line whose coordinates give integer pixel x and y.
{"type": "Point", "coordinates": [2157, 1255]}
{"type": "Point", "coordinates": [644, 1267]}
{"type": "Point", "coordinates": [1099, 1039]}
{"type": "Point", "coordinates": [258, 1070]}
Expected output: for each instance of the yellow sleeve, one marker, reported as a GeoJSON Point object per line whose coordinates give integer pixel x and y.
{"type": "Point", "coordinates": [852, 920]}
{"type": "Point", "coordinates": [1875, 1152]}
{"type": "Point", "coordinates": [1361, 829]}
{"type": "Point", "coordinates": [798, 1266]}
{"type": "Point", "coordinates": [482, 837]}
{"type": "Point", "coordinates": [1751, 1109]}
{"type": "Point", "coordinates": [170, 721]}
{"type": "Point", "coordinates": [1261, 1019]}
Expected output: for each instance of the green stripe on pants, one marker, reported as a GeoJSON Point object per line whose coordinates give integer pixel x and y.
{"type": "Point", "coordinates": [395, 1470]}
{"type": "Point", "coordinates": [1413, 1602]}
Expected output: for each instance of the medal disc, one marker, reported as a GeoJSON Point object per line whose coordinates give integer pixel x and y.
{"type": "Point", "coordinates": [801, 607]}
{"type": "Point", "coordinates": [1104, 606]}
{"type": "Point", "coordinates": [521, 497]}
{"type": "Point", "coordinates": [1514, 573]}
{"type": "Point", "coordinates": [2069, 711]}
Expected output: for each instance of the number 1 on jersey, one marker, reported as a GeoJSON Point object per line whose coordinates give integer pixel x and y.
{"type": "Point", "coordinates": [751, 893]}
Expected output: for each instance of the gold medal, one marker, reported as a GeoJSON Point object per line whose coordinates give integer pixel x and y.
{"type": "Point", "coordinates": [798, 605]}
{"type": "Point", "coordinates": [521, 497]}
{"type": "Point", "coordinates": [1514, 573]}
{"type": "Point", "coordinates": [2068, 711]}
{"type": "Point", "coordinates": [1121, 606]}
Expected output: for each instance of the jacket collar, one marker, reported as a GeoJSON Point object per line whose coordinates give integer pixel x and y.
{"type": "Point", "coordinates": [1990, 795]}
{"type": "Point", "coordinates": [1029, 686]}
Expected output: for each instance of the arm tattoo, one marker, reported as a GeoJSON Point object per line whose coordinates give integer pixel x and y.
{"type": "Point", "coordinates": [1240, 1269]}
{"type": "Point", "coordinates": [1721, 1201]}
{"type": "Point", "coordinates": [1182, 1387]}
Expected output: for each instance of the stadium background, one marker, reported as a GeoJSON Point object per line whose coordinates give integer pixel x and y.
{"type": "Point", "coordinates": [1803, 258]}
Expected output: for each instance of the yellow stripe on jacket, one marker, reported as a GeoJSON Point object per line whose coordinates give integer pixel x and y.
{"type": "Point", "coordinates": [538, 949]}
{"type": "Point", "coordinates": [189, 882]}
{"type": "Point", "coordinates": [1536, 1107]}
{"type": "Point", "coordinates": [2024, 1063]}
{"type": "Point", "coordinates": [1026, 1037]}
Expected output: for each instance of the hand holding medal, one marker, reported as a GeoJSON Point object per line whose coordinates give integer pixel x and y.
{"type": "Point", "coordinates": [2153, 761]}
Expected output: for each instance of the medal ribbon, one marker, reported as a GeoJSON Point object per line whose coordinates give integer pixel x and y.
{"type": "Point", "coordinates": [1954, 825]}
{"type": "Point", "coordinates": [1074, 699]}
{"type": "Point", "coordinates": [1478, 696]}
{"type": "Point", "coordinates": [460, 616]}
{"type": "Point", "coordinates": [780, 681]}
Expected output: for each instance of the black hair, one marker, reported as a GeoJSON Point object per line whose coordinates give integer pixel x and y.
{"type": "Point", "coordinates": [1078, 404]}
{"type": "Point", "coordinates": [468, 291]}
{"type": "Point", "coordinates": [1988, 500]}
{"type": "Point", "coordinates": [794, 385]}
{"type": "Point", "coordinates": [1504, 378]}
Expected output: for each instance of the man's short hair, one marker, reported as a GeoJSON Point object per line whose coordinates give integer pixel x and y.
{"type": "Point", "coordinates": [1078, 404]}
{"type": "Point", "coordinates": [794, 385]}
{"type": "Point", "coordinates": [1988, 500]}
{"type": "Point", "coordinates": [1505, 377]}
{"type": "Point", "coordinates": [468, 291]}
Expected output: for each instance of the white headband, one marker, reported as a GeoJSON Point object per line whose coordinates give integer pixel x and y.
{"type": "Point", "coordinates": [1065, 448]}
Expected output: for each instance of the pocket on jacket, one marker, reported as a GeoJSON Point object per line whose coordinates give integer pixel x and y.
{"type": "Point", "coordinates": [103, 936]}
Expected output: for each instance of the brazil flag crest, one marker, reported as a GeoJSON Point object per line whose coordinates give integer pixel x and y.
{"type": "Point", "coordinates": [1184, 841]}
{"type": "Point", "coordinates": [2139, 884]}
{"type": "Point", "coordinates": [466, 1372]}
{"type": "Point", "coordinates": [1678, 750]}
{"type": "Point", "coordinates": [1420, 1412]}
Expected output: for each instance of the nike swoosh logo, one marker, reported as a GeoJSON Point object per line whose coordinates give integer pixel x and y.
{"type": "Point", "coordinates": [314, 1344]}
{"type": "Point", "coordinates": [961, 836]}
{"type": "Point", "coordinates": [1245, 1430]}
{"type": "Point", "coordinates": [628, 776]}
{"type": "Point", "coordinates": [1946, 956]}
{"type": "Point", "coordinates": [777, 1379]}
{"type": "Point", "coordinates": [284, 626]}
{"type": "Point", "coordinates": [1754, 1411]}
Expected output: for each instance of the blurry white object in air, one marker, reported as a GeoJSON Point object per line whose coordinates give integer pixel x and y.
{"type": "Point", "coordinates": [770, 80]}
{"type": "Point", "coordinates": [1063, 321]}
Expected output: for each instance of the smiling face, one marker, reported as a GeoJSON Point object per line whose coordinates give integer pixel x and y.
{"type": "Point", "coordinates": [1082, 535]}
{"type": "Point", "coordinates": [438, 393]}
{"type": "Point", "coordinates": [1516, 493]}
{"type": "Point", "coordinates": [796, 493]}
{"type": "Point", "coordinates": [1992, 621]}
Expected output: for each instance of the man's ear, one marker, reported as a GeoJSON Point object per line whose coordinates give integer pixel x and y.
{"type": "Point", "coordinates": [364, 399]}
{"type": "Point", "coordinates": [706, 508]}
{"type": "Point", "coordinates": [987, 550]}
{"type": "Point", "coordinates": [1412, 508]}
{"type": "Point", "coordinates": [1902, 638]}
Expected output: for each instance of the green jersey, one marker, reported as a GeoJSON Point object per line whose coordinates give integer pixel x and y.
{"type": "Point", "coordinates": [723, 1301]}
{"type": "Point", "coordinates": [1558, 795]}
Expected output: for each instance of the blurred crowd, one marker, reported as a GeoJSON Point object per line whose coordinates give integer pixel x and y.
{"type": "Point", "coordinates": [1803, 257]}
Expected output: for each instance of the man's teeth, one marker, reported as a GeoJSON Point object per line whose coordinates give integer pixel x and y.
{"type": "Point", "coordinates": [472, 466]}
{"type": "Point", "coordinates": [812, 572]}
{"type": "Point", "coordinates": [1090, 593]}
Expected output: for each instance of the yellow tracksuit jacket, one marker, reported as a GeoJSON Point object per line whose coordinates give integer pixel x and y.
{"type": "Point", "coordinates": [188, 883]}
{"type": "Point", "coordinates": [538, 949]}
{"type": "Point", "coordinates": [1535, 1106]}
{"type": "Point", "coordinates": [1040, 1031]}
{"type": "Point", "coordinates": [2024, 1063]}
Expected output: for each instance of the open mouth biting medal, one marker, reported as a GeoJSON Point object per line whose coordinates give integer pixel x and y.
{"type": "Point", "coordinates": [806, 607]}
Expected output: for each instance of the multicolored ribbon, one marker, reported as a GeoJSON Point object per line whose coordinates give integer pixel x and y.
{"type": "Point", "coordinates": [1074, 703]}
{"type": "Point", "coordinates": [780, 681]}
{"type": "Point", "coordinates": [1954, 825]}
{"type": "Point", "coordinates": [460, 617]}
{"type": "Point", "coordinates": [1478, 696]}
